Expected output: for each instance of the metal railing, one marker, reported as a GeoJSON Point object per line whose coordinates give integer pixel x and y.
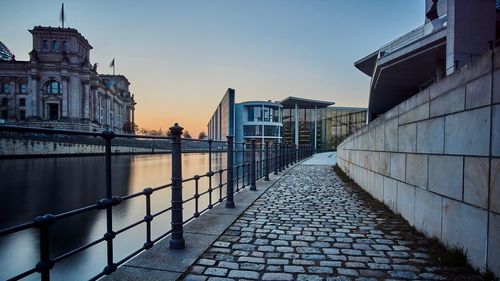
{"type": "Point", "coordinates": [238, 176]}
{"type": "Point", "coordinates": [414, 35]}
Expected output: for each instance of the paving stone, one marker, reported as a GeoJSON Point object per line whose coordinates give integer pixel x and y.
{"type": "Point", "coordinates": [277, 261]}
{"type": "Point", "coordinates": [312, 226]}
{"type": "Point", "coordinates": [293, 269]}
{"type": "Point", "coordinates": [227, 264]}
{"type": "Point", "coordinates": [216, 271]}
{"type": "Point", "coordinates": [403, 274]}
{"type": "Point", "coordinates": [319, 269]}
{"type": "Point", "coordinates": [309, 277]}
{"type": "Point", "coordinates": [277, 276]}
{"type": "Point", "coordinates": [349, 272]}
{"type": "Point", "coordinates": [243, 274]}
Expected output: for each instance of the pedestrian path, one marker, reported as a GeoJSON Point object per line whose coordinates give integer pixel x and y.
{"type": "Point", "coordinates": [312, 226]}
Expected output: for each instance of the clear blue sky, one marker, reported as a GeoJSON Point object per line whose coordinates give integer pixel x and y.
{"type": "Point", "coordinates": [181, 56]}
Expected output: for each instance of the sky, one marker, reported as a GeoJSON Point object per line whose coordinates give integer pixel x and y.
{"type": "Point", "coordinates": [181, 56]}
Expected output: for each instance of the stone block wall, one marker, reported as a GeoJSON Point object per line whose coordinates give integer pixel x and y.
{"type": "Point", "coordinates": [17, 147]}
{"type": "Point", "coordinates": [435, 159]}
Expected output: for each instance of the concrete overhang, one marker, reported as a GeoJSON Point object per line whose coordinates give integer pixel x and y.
{"type": "Point", "coordinates": [367, 64]}
{"type": "Point", "coordinates": [399, 75]}
{"type": "Point", "coordinates": [304, 103]}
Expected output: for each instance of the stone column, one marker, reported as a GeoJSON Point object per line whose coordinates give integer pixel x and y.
{"type": "Point", "coordinates": [86, 101]}
{"type": "Point", "coordinates": [65, 98]}
{"type": "Point", "coordinates": [96, 105]}
{"type": "Point", "coordinates": [34, 97]}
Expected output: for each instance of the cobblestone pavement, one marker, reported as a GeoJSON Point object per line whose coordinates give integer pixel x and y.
{"type": "Point", "coordinates": [312, 226]}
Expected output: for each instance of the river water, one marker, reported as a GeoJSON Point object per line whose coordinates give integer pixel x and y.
{"type": "Point", "coordinates": [32, 187]}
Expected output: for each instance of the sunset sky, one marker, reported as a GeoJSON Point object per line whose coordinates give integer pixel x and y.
{"type": "Point", "coordinates": [181, 56]}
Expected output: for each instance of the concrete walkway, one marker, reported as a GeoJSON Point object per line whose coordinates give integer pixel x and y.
{"type": "Point", "coordinates": [324, 158]}
{"type": "Point", "coordinates": [162, 263]}
{"type": "Point", "coordinates": [312, 226]}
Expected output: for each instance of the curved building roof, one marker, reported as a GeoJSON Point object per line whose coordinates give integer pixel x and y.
{"type": "Point", "coordinates": [5, 53]}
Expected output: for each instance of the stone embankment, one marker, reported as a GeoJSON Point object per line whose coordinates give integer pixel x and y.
{"type": "Point", "coordinates": [435, 159]}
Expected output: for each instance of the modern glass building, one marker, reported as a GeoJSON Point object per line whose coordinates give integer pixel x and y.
{"type": "Point", "coordinates": [293, 120]}
{"type": "Point", "coordinates": [258, 120]}
{"type": "Point", "coordinates": [318, 123]}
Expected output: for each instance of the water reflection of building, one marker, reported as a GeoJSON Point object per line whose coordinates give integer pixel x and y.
{"type": "Point", "coordinates": [59, 87]}
{"type": "Point", "coordinates": [292, 121]}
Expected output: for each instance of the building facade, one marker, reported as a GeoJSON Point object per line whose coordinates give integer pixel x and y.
{"type": "Point", "coordinates": [258, 120]}
{"type": "Point", "coordinates": [319, 123]}
{"type": "Point", "coordinates": [445, 42]}
{"type": "Point", "coordinates": [294, 120]}
{"type": "Point", "coordinates": [245, 121]}
{"type": "Point", "coordinates": [59, 88]}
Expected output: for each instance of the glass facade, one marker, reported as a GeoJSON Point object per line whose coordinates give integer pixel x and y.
{"type": "Point", "coordinates": [332, 126]}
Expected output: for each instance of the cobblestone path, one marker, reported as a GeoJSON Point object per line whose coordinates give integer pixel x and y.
{"type": "Point", "coordinates": [312, 226]}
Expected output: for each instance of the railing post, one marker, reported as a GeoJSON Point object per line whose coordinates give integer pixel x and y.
{"type": "Point", "coordinates": [287, 155]}
{"type": "Point", "coordinates": [282, 157]}
{"type": "Point", "coordinates": [266, 176]}
{"type": "Point", "coordinates": [109, 235]}
{"type": "Point", "coordinates": [230, 180]}
{"type": "Point", "coordinates": [253, 171]}
{"type": "Point", "coordinates": [177, 240]}
{"type": "Point", "coordinates": [210, 174]}
{"type": "Point", "coordinates": [276, 158]}
{"type": "Point", "coordinates": [45, 264]}
{"type": "Point", "coordinates": [294, 154]}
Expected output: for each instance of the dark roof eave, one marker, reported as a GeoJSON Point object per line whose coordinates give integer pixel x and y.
{"type": "Point", "coordinates": [367, 64]}
{"type": "Point", "coordinates": [290, 102]}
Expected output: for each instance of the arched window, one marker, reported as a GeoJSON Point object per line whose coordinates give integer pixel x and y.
{"type": "Point", "coordinates": [55, 45]}
{"type": "Point", "coordinates": [65, 45]}
{"type": "Point", "coordinates": [45, 45]}
{"type": "Point", "coordinates": [53, 87]}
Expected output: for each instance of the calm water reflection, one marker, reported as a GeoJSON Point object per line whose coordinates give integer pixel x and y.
{"type": "Point", "coordinates": [30, 187]}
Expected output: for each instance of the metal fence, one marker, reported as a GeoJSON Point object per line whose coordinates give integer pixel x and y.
{"type": "Point", "coordinates": [257, 162]}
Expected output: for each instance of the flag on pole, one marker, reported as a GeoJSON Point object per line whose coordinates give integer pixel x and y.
{"type": "Point", "coordinates": [61, 16]}
{"type": "Point", "coordinates": [112, 64]}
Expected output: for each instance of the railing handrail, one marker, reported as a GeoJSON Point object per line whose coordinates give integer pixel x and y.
{"type": "Point", "coordinates": [283, 156]}
{"type": "Point", "coordinates": [414, 35]}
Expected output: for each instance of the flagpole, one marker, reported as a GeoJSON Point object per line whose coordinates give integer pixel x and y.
{"type": "Point", "coordinates": [62, 14]}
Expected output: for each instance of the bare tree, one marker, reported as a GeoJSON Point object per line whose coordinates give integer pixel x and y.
{"type": "Point", "coordinates": [202, 135]}
{"type": "Point", "coordinates": [186, 135]}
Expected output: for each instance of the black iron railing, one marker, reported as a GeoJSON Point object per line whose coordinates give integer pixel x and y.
{"type": "Point", "coordinates": [238, 176]}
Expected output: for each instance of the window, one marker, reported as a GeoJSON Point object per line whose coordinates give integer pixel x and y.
{"type": "Point", "coordinates": [53, 111]}
{"type": "Point", "coordinates": [252, 130]}
{"type": "Point", "coordinates": [271, 131]}
{"type": "Point", "coordinates": [65, 45]}
{"type": "Point", "coordinates": [22, 102]}
{"type": "Point", "coordinates": [23, 88]}
{"type": "Point", "coordinates": [5, 88]}
{"type": "Point", "coordinates": [55, 45]}
{"type": "Point", "coordinates": [4, 114]}
{"type": "Point", "coordinates": [45, 45]}
{"type": "Point", "coordinates": [5, 101]}
{"type": "Point", "coordinates": [53, 87]}
{"type": "Point", "coordinates": [22, 114]}
{"type": "Point", "coordinates": [254, 113]}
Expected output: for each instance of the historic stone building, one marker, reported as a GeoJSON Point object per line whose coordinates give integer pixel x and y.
{"type": "Point", "coordinates": [59, 88]}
